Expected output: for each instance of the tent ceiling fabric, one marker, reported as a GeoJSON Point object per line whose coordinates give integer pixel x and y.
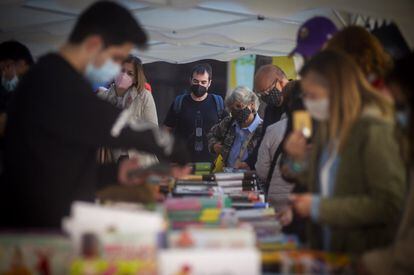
{"type": "Point", "coordinates": [188, 30]}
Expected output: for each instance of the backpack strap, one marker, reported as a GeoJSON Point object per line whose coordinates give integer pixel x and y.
{"type": "Point", "coordinates": [219, 105]}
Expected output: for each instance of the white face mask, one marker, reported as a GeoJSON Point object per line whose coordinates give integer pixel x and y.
{"type": "Point", "coordinates": [318, 109]}
{"type": "Point", "coordinates": [103, 74]}
{"type": "Point", "coordinates": [10, 85]}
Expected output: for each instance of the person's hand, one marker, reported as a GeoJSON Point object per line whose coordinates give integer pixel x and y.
{"type": "Point", "coordinates": [180, 171]}
{"type": "Point", "coordinates": [217, 148]}
{"type": "Point", "coordinates": [302, 204]}
{"type": "Point", "coordinates": [295, 146]}
{"type": "Point", "coordinates": [285, 217]}
{"type": "Point", "coordinates": [241, 165]}
{"type": "Point", "coordinates": [126, 166]}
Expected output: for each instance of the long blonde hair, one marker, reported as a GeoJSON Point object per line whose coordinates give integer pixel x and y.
{"type": "Point", "coordinates": [140, 79]}
{"type": "Point", "coordinates": [349, 92]}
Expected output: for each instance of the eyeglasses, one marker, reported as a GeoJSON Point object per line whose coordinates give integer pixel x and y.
{"type": "Point", "coordinates": [266, 91]}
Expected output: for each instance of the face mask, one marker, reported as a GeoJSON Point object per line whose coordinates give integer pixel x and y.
{"type": "Point", "coordinates": [104, 73]}
{"type": "Point", "coordinates": [318, 109]}
{"type": "Point", "coordinates": [402, 118]}
{"type": "Point", "coordinates": [241, 115]}
{"type": "Point", "coordinates": [10, 85]}
{"type": "Point", "coordinates": [123, 81]}
{"type": "Point", "coordinates": [273, 98]}
{"type": "Point", "coordinates": [198, 90]}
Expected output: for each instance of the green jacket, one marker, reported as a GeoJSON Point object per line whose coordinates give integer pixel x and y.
{"type": "Point", "coordinates": [370, 186]}
{"type": "Point", "coordinates": [397, 258]}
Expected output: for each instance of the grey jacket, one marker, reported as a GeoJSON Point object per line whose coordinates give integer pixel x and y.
{"type": "Point", "coordinates": [279, 189]}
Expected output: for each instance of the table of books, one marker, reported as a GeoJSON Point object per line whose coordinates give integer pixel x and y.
{"type": "Point", "coordinates": [206, 224]}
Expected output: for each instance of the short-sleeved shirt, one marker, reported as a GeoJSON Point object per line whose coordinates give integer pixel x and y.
{"type": "Point", "coordinates": [193, 115]}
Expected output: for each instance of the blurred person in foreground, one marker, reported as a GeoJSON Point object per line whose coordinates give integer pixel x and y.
{"type": "Point", "coordinates": [370, 56]}
{"type": "Point", "coordinates": [367, 52]}
{"type": "Point", "coordinates": [355, 175]}
{"type": "Point", "coordinates": [312, 36]}
{"type": "Point", "coordinates": [56, 124]}
{"type": "Point", "coordinates": [397, 258]}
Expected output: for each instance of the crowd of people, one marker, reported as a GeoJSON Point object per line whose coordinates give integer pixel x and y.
{"type": "Point", "coordinates": [341, 185]}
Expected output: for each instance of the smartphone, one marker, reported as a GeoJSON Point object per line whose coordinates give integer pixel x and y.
{"type": "Point", "coordinates": [302, 121]}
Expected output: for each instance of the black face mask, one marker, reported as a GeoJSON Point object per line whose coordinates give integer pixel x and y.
{"type": "Point", "coordinates": [273, 98]}
{"type": "Point", "coordinates": [198, 90]}
{"type": "Point", "coordinates": [241, 115]}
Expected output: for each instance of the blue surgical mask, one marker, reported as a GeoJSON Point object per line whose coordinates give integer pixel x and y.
{"type": "Point", "coordinates": [10, 85]}
{"type": "Point", "coordinates": [103, 74]}
{"type": "Point", "coordinates": [402, 117]}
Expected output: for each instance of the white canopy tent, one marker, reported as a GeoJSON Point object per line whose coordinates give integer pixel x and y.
{"type": "Point", "coordinates": [183, 31]}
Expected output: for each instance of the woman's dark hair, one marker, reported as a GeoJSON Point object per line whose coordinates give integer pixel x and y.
{"type": "Point", "coordinates": [293, 102]}
{"type": "Point", "coordinates": [292, 94]}
{"type": "Point", "coordinates": [140, 79]}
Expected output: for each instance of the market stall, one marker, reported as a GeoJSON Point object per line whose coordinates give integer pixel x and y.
{"type": "Point", "coordinates": [201, 224]}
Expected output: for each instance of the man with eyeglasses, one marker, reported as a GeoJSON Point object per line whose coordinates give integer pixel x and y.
{"type": "Point", "coordinates": [269, 82]}
{"type": "Point", "coordinates": [192, 115]}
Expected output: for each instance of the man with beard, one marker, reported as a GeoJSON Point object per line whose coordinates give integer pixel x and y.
{"type": "Point", "coordinates": [192, 115]}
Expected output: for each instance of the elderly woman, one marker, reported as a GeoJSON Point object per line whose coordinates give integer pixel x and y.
{"type": "Point", "coordinates": [236, 136]}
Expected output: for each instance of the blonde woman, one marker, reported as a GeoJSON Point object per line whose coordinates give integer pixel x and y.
{"type": "Point", "coordinates": [354, 173]}
{"type": "Point", "coordinates": [128, 91]}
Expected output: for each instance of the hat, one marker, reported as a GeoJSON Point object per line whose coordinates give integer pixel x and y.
{"type": "Point", "coordinates": [312, 35]}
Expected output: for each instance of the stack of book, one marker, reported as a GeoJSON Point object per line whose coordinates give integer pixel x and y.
{"type": "Point", "coordinates": [34, 253]}
{"type": "Point", "coordinates": [268, 230]}
{"type": "Point", "coordinates": [264, 222]}
{"type": "Point", "coordinates": [236, 182]}
{"type": "Point", "coordinates": [199, 211]}
{"type": "Point", "coordinates": [114, 240]}
{"type": "Point", "coordinates": [308, 262]}
{"type": "Point", "coordinates": [201, 168]}
{"type": "Point", "coordinates": [220, 237]}
{"type": "Point", "coordinates": [218, 183]}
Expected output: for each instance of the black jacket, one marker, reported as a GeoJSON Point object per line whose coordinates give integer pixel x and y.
{"type": "Point", "coordinates": [271, 115]}
{"type": "Point", "coordinates": [54, 128]}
